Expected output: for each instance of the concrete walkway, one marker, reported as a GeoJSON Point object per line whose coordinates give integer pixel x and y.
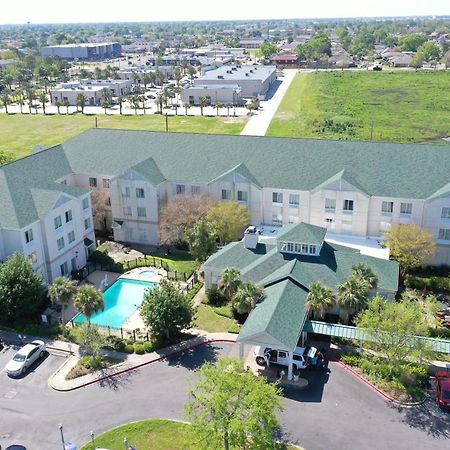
{"type": "Point", "coordinates": [259, 122]}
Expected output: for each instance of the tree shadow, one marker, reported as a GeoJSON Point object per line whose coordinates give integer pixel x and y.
{"type": "Point", "coordinates": [427, 417]}
{"type": "Point", "coordinates": [194, 358]}
{"type": "Point", "coordinates": [115, 380]}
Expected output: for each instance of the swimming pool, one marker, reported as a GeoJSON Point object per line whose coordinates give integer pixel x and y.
{"type": "Point", "coordinates": [147, 273]}
{"type": "Point", "coordinates": [121, 300]}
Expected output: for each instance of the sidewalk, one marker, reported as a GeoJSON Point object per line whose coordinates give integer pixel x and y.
{"type": "Point", "coordinates": [259, 123]}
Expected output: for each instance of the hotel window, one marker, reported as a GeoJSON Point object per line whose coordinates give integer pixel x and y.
{"type": "Point", "coordinates": [348, 206]}
{"type": "Point", "coordinates": [64, 268]}
{"type": "Point", "coordinates": [445, 213]}
{"type": "Point", "coordinates": [384, 226]}
{"type": "Point", "coordinates": [304, 248]}
{"type": "Point", "coordinates": [126, 192]}
{"type": "Point", "coordinates": [312, 249]}
{"type": "Point", "coordinates": [68, 216]}
{"type": "Point", "coordinates": [293, 219]}
{"type": "Point", "coordinates": [329, 223]}
{"type": "Point", "coordinates": [93, 182]}
{"type": "Point", "coordinates": [277, 218]}
{"type": "Point", "coordinates": [330, 204]}
{"type": "Point", "coordinates": [406, 208]}
{"type": "Point", "coordinates": [242, 196]}
{"type": "Point", "coordinates": [106, 183]}
{"type": "Point", "coordinates": [140, 193]}
{"type": "Point", "coordinates": [29, 236]}
{"type": "Point", "coordinates": [60, 243]}
{"type": "Point", "coordinates": [346, 227]}
{"type": "Point", "coordinates": [85, 203]}
{"type": "Point", "coordinates": [32, 258]}
{"type": "Point", "coordinates": [226, 194]}
{"type": "Point", "coordinates": [87, 223]}
{"type": "Point", "coordinates": [141, 212]}
{"type": "Point", "coordinates": [71, 237]}
{"type": "Point", "coordinates": [195, 190]}
{"type": "Point", "coordinates": [387, 207]}
{"type": "Point", "coordinates": [444, 234]}
{"type": "Point", "coordinates": [277, 197]}
{"type": "Point", "coordinates": [127, 211]}
{"type": "Point", "coordinates": [58, 222]}
{"type": "Point", "coordinates": [294, 200]}
{"type": "Point", "coordinates": [180, 189]}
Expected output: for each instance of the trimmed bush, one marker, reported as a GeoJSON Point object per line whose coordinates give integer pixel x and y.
{"type": "Point", "coordinates": [351, 360]}
{"type": "Point", "coordinates": [224, 311]}
{"type": "Point", "coordinates": [215, 296]}
{"type": "Point", "coordinates": [441, 284]}
{"type": "Point", "coordinates": [139, 349]}
{"type": "Point", "coordinates": [129, 348]}
{"type": "Point", "coordinates": [148, 347]}
{"type": "Point", "coordinates": [115, 343]}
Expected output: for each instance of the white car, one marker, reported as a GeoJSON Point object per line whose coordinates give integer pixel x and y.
{"type": "Point", "coordinates": [25, 357]}
{"type": "Point", "coordinates": [301, 357]}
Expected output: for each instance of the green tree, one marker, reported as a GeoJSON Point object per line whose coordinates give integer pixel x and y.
{"type": "Point", "coordinates": [320, 299]}
{"type": "Point", "coordinates": [6, 99]}
{"type": "Point", "coordinates": [90, 340]}
{"type": "Point", "coordinates": [30, 97]}
{"type": "Point", "coordinates": [247, 296]}
{"type": "Point", "coordinates": [61, 291]}
{"type": "Point", "coordinates": [410, 245]}
{"type": "Point", "coordinates": [429, 51]}
{"type": "Point", "coordinates": [81, 102]}
{"type": "Point", "coordinates": [166, 311]}
{"type": "Point", "coordinates": [366, 274]}
{"type": "Point", "coordinates": [88, 300]}
{"type": "Point", "coordinates": [228, 220]}
{"type": "Point", "coordinates": [353, 294]}
{"type": "Point", "coordinates": [268, 49]}
{"type": "Point", "coordinates": [21, 290]}
{"type": "Point", "coordinates": [411, 42]}
{"type": "Point", "coordinates": [6, 157]}
{"type": "Point", "coordinates": [66, 105]}
{"type": "Point", "coordinates": [203, 102]}
{"type": "Point", "coordinates": [43, 99]}
{"type": "Point", "coordinates": [58, 105]}
{"type": "Point", "coordinates": [392, 325]}
{"type": "Point", "coordinates": [231, 408]}
{"type": "Point", "coordinates": [230, 281]}
{"type": "Point", "coordinates": [202, 242]}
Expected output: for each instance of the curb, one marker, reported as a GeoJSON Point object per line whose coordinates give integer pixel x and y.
{"type": "Point", "coordinates": [138, 366]}
{"type": "Point", "coordinates": [378, 390]}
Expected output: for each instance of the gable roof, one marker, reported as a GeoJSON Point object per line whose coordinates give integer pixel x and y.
{"type": "Point", "coordinates": [149, 171]}
{"type": "Point", "coordinates": [242, 170]}
{"type": "Point", "coordinates": [302, 233]}
{"type": "Point", "coordinates": [279, 318]}
{"type": "Point", "coordinates": [343, 175]}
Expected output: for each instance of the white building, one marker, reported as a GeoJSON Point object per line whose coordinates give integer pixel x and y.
{"type": "Point", "coordinates": [88, 51]}
{"type": "Point", "coordinates": [214, 93]}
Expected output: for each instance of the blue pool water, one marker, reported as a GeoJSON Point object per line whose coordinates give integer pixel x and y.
{"type": "Point", "coordinates": [121, 300]}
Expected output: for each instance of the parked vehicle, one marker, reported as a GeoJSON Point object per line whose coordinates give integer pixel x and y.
{"type": "Point", "coordinates": [301, 358]}
{"type": "Point", "coordinates": [25, 357]}
{"type": "Point", "coordinates": [442, 386]}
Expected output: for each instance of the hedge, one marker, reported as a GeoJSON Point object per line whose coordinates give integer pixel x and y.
{"type": "Point", "coordinates": [441, 284]}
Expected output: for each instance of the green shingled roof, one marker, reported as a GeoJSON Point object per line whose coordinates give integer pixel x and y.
{"type": "Point", "coordinates": [149, 171]}
{"type": "Point", "coordinates": [302, 233]}
{"type": "Point", "coordinates": [280, 316]}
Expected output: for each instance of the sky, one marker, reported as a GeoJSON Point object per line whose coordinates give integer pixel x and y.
{"type": "Point", "coordinates": [75, 11]}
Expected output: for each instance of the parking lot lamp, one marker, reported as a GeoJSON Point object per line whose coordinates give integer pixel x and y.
{"type": "Point", "coordinates": [62, 436]}
{"type": "Point", "coordinates": [93, 440]}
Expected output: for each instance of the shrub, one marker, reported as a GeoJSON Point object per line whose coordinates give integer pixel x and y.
{"type": "Point", "coordinates": [148, 347]}
{"type": "Point", "coordinates": [351, 360]}
{"type": "Point", "coordinates": [90, 362]}
{"type": "Point", "coordinates": [139, 349]}
{"type": "Point", "coordinates": [215, 296]}
{"type": "Point", "coordinates": [434, 283]}
{"type": "Point", "coordinates": [234, 328]}
{"type": "Point", "coordinates": [129, 348]}
{"type": "Point", "coordinates": [193, 292]}
{"type": "Point", "coordinates": [115, 343]}
{"type": "Point", "coordinates": [224, 311]}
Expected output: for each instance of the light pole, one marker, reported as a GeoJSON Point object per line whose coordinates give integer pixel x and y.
{"type": "Point", "coordinates": [125, 442]}
{"type": "Point", "coordinates": [62, 436]}
{"type": "Point", "coordinates": [93, 440]}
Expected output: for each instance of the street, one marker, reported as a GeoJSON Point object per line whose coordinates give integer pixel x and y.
{"type": "Point", "coordinates": [334, 411]}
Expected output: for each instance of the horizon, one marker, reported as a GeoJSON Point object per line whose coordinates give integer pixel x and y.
{"type": "Point", "coordinates": [49, 12]}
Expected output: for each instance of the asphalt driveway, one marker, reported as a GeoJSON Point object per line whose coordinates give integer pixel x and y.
{"type": "Point", "coordinates": [336, 411]}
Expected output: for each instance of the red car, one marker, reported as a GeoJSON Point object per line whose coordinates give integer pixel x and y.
{"type": "Point", "coordinates": [442, 384]}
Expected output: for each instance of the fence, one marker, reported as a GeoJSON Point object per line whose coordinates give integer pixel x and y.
{"type": "Point", "coordinates": [124, 333]}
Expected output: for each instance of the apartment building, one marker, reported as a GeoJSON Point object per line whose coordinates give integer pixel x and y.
{"type": "Point", "coordinates": [350, 188]}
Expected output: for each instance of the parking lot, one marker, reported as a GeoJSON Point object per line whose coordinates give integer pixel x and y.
{"type": "Point", "coordinates": [335, 410]}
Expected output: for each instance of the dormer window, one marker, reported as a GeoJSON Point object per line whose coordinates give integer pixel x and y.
{"type": "Point", "coordinates": [301, 239]}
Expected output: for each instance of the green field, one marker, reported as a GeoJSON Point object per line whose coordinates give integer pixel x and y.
{"type": "Point", "coordinates": [21, 133]}
{"type": "Point", "coordinates": [152, 434]}
{"type": "Point", "coordinates": [399, 106]}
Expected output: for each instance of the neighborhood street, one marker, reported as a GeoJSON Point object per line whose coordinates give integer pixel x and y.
{"type": "Point", "coordinates": [334, 411]}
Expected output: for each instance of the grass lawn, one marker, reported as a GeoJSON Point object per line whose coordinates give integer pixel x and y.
{"type": "Point", "coordinates": [150, 434]}
{"type": "Point", "coordinates": [209, 320]}
{"type": "Point", "coordinates": [21, 133]}
{"type": "Point", "coordinates": [401, 106]}
{"type": "Point", "coordinates": [180, 261]}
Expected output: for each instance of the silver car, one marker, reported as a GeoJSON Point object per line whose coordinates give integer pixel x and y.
{"type": "Point", "coordinates": [25, 357]}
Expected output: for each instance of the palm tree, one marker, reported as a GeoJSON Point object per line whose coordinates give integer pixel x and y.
{"type": "Point", "coordinates": [43, 99]}
{"type": "Point", "coordinates": [186, 107]}
{"type": "Point", "coordinates": [66, 104]}
{"type": "Point", "coordinates": [218, 106]}
{"type": "Point", "coordinates": [61, 291]}
{"type": "Point", "coordinates": [21, 102]}
{"type": "Point", "coordinates": [88, 300]}
{"type": "Point", "coordinates": [353, 294]}
{"type": "Point", "coordinates": [247, 296]}
{"type": "Point", "coordinates": [366, 274]}
{"type": "Point", "coordinates": [159, 77]}
{"type": "Point", "coordinates": [146, 80]}
{"type": "Point", "coordinates": [320, 299]}
{"type": "Point", "coordinates": [81, 102]}
{"type": "Point", "coordinates": [159, 102]}
{"type": "Point", "coordinates": [134, 100]}
{"type": "Point", "coordinates": [6, 99]}
{"type": "Point", "coordinates": [230, 281]}
{"type": "Point", "coordinates": [120, 101]}
{"type": "Point", "coordinates": [58, 105]}
{"type": "Point", "coordinates": [203, 101]}
{"type": "Point", "coordinates": [228, 106]}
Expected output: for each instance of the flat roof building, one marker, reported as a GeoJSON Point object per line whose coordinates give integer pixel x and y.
{"type": "Point", "coordinates": [214, 93]}
{"type": "Point", "coordinates": [89, 51]}
{"type": "Point", "coordinates": [254, 80]}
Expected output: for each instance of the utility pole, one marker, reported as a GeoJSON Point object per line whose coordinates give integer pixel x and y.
{"type": "Point", "coordinates": [96, 123]}
{"type": "Point", "coordinates": [167, 123]}
{"type": "Point", "coordinates": [371, 130]}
